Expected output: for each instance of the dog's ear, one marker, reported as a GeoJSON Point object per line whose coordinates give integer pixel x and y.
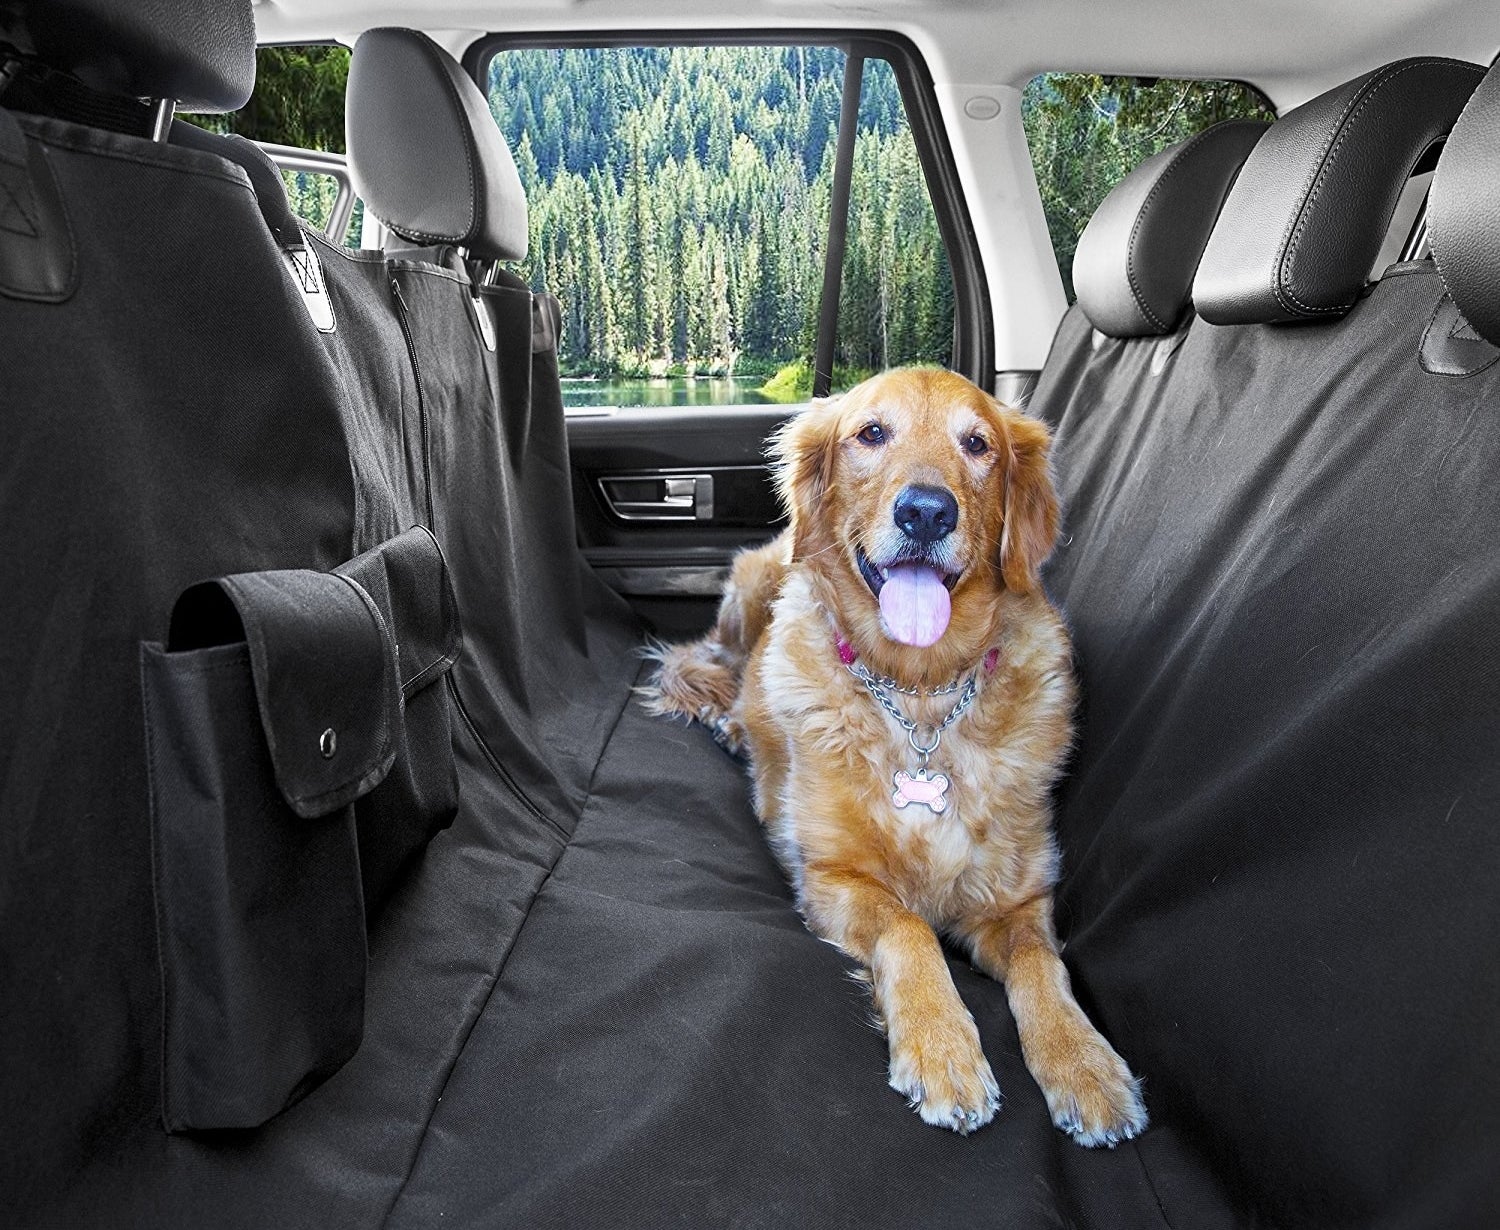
{"type": "Point", "coordinates": [803, 451]}
{"type": "Point", "coordinates": [1031, 513]}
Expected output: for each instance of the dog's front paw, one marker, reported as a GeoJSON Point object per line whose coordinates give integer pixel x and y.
{"type": "Point", "coordinates": [943, 1073]}
{"type": "Point", "coordinates": [1092, 1095]}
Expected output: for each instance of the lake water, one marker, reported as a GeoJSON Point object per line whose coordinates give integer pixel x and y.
{"type": "Point", "coordinates": [666, 391]}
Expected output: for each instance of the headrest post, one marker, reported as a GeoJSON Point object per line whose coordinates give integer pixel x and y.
{"type": "Point", "coordinates": [161, 119]}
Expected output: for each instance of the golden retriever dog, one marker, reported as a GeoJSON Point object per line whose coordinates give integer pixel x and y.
{"type": "Point", "coordinates": [904, 690]}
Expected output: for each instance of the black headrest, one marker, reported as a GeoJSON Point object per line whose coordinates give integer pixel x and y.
{"type": "Point", "coordinates": [1304, 221]}
{"type": "Point", "coordinates": [1463, 210]}
{"type": "Point", "coordinates": [424, 151]}
{"type": "Point", "coordinates": [1133, 270]}
{"type": "Point", "coordinates": [199, 52]}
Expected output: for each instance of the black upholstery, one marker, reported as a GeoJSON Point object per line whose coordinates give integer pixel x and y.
{"type": "Point", "coordinates": [265, 179]}
{"type": "Point", "coordinates": [199, 52]}
{"type": "Point", "coordinates": [1461, 218]}
{"type": "Point", "coordinates": [424, 152]}
{"type": "Point", "coordinates": [146, 420]}
{"type": "Point", "coordinates": [1134, 267]}
{"type": "Point", "coordinates": [1279, 569]}
{"type": "Point", "coordinates": [1304, 221]}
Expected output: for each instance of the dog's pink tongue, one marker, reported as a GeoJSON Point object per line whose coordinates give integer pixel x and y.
{"type": "Point", "coordinates": [915, 605]}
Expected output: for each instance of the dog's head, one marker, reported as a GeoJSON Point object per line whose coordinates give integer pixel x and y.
{"type": "Point", "coordinates": [920, 498]}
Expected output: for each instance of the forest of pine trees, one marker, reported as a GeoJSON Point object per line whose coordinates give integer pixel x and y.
{"type": "Point", "coordinates": [679, 208]}
{"type": "Point", "coordinates": [680, 195]}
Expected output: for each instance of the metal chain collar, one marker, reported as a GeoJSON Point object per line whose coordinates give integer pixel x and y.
{"type": "Point", "coordinates": [891, 685]}
{"type": "Point", "coordinates": [880, 688]}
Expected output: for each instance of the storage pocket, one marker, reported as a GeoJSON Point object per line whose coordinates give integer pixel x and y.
{"type": "Point", "coordinates": [408, 581]}
{"type": "Point", "coordinates": [300, 755]}
{"type": "Point", "coordinates": [275, 704]}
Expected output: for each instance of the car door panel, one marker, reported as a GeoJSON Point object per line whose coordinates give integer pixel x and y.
{"type": "Point", "coordinates": [665, 497]}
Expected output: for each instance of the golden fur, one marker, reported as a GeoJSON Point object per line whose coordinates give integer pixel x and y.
{"type": "Point", "coordinates": [879, 882]}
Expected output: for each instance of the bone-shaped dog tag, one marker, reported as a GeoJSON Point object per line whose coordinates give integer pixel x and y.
{"type": "Point", "coordinates": [928, 789]}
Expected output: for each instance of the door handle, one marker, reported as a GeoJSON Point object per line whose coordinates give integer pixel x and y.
{"type": "Point", "coordinates": [659, 496]}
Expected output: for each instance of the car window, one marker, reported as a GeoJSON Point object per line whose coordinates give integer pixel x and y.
{"type": "Point", "coordinates": [680, 210]}
{"type": "Point", "coordinates": [1087, 131]}
{"type": "Point", "coordinates": [297, 112]}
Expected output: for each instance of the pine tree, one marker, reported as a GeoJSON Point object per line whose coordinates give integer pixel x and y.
{"type": "Point", "coordinates": [639, 250]}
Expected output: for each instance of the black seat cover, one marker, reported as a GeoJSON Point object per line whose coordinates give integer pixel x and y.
{"type": "Point", "coordinates": [590, 999]}
{"type": "Point", "coordinates": [1279, 569]}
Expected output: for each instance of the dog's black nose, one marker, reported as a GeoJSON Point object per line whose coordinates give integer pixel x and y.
{"type": "Point", "coordinates": [926, 514]}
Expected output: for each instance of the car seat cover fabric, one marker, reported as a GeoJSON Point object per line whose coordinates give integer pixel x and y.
{"type": "Point", "coordinates": [114, 462]}
{"type": "Point", "coordinates": [589, 998]}
{"type": "Point", "coordinates": [1274, 825]}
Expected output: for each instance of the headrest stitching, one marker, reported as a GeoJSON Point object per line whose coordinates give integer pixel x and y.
{"type": "Point", "coordinates": [1140, 216]}
{"type": "Point", "coordinates": [436, 54]}
{"type": "Point", "coordinates": [1293, 236]}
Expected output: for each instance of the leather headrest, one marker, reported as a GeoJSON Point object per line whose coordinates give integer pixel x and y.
{"type": "Point", "coordinates": [1306, 218]}
{"type": "Point", "coordinates": [199, 52]}
{"type": "Point", "coordinates": [1463, 210]}
{"type": "Point", "coordinates": [424, 151]}
{"type": "Point", "coordinates": [1134, 267]}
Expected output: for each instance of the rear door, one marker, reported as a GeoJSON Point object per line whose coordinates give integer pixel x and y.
{"type": "Point", "coordinates": [732, 228]}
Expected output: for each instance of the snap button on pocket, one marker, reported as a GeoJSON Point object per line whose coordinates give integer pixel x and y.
{"type": "Point", "coordinates": [328, 743]}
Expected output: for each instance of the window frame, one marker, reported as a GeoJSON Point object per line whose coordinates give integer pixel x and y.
{"type": "Point", "coordinates": [320, 162]}
{"type": "Point", "coordinates": [973, 314]}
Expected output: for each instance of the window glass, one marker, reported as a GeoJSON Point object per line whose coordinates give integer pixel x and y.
{"type": "Point", "coordinates": [680, 210]}
{"type": "Point", "coordinates": [313, 195]}
{"type": "Point", "coordinates": [1086, 132]}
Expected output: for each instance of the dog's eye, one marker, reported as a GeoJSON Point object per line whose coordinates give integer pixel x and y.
{"type": "Point", "coordinates": [975, 446]}
{"type": "Point", "coordinates": [871, 433]}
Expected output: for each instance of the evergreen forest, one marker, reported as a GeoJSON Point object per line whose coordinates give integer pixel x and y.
{"type": "Point", "coordinates": [679, 196]}
{"type": "Point", "coordinates": [680, 203]}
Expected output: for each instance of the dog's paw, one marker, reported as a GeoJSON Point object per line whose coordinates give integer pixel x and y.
{"type": "Point", "coordinates": [727, 731]}
{"type": "Point", "coordinates": [1093, 1097]}
{"type": "Point", "coordinates": [945, 1077]}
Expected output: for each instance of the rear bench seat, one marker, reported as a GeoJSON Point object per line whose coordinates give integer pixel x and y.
{"type": "Point", "coordinates": [590, 1001]}
{"type": "Point", "coordinates": [1280, 571]}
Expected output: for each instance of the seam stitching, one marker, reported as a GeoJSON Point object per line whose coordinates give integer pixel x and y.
{"type": "Point", "coordinates": [510, 948]}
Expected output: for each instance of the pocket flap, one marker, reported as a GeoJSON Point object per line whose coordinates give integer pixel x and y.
{"type": "Point", "coordinates": [325, 671]}
{"type": "Point", "coordinates": [408, 580]}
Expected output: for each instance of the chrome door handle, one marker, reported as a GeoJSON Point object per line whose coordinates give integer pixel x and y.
{"type": "Point", "coordinates": [659, 496]}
